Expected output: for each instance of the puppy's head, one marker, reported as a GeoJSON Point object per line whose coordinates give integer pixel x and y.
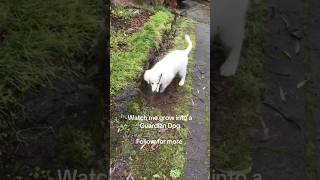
{"type": "Point", "coordinates": [153, 79]}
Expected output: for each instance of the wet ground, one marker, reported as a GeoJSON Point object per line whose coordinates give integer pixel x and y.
{"type": "Point", "coordinates": [197, 148]}
{"type": "Point", "coordinates": [290, 103]}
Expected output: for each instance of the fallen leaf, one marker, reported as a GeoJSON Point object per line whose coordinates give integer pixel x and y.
{"type": "Point", "coordinates": [297, 48]}
{"type": "Point", "coordinates": [285, 21]}
{"type": "Point", "coordinates": [302, 83]}
{"type": "Point", "coordinates": [286, 53]}
{"type": "Point", "coordinates": [282, 94]}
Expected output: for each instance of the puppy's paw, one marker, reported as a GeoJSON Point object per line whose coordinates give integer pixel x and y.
{"type": "Point", "coordinates": [181, 83]}
{"type": "Point", "coordinates": [227, 70]}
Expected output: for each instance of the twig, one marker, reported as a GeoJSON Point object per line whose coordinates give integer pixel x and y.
{"type": "Point", "coordinates": [198, 76]}
{"type": "Point", "coordinates": [197, 97]}
{"type": "Point", "coordinates": [285, 21]}
{"type": "Point", "coordinates": [284, 116]}
{"type": "Point", "coordinates": [130, 177]}
{"type": "Point", "coordinates": [286, 53]}
{"type": "Point", "coordinates": [266, 132]}
{"type": "Point", "coordinates": [197, 66]}
{"type": "Point", "coordinates": [192, 102]}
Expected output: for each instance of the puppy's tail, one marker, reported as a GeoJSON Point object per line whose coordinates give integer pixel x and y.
{"type": "Point", "coordinates": [187, 37]}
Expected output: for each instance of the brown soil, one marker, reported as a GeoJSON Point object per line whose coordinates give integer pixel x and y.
{"type": "Point", "coordinates": [131, 25]}
{"type": "Point", "coordinates": [138, 21]}
{"type": "Point", "coordinates": [165, 101]}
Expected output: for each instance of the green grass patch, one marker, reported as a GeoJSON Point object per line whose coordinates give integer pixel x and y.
{"type": "Point", "coordinates": [233, 149]}
{"type": "Point", "coordinates": [127, 65]}
{"type": "Point", "coordinates": [42, 40]}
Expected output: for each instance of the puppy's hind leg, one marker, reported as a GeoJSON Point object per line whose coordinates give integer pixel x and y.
{"type": "Point", "coordinates": [182, 73]}
{"type": "Point", "coordinates": [233, 39]}
{"type": "Point", "coordinates": [229, 67]}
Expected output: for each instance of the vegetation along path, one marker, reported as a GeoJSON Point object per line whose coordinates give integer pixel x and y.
{"type": "Point", "coordinates": [197, 148]}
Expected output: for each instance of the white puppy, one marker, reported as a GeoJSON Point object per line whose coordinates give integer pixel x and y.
{"type": "Point", "coordinates": [163, 72]}
{"type": "Point", "coordinates": [229, 19]}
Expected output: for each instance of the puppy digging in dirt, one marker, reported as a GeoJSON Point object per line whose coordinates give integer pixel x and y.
{"type": "Point", "coordinates": [163, 72]}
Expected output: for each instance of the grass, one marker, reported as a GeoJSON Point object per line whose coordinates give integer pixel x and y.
{"type": "Point", "coordinates": [169, 159]}
{"type": "Point", "coordinates": [42, 40]}
{"type": "Point", "coordinates": [232, 149]}
{"type": "Point", "coordinates": [139, 46]}
{"type": "Point", "coordinates": [166, 160]}
{"type": "Point", "coordinates": [120, 12]}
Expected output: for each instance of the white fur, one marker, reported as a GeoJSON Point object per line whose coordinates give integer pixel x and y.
{"type": "Point", "coordinates": [229, 22]}
{"type": "Point", "coordinates": [163, 72]}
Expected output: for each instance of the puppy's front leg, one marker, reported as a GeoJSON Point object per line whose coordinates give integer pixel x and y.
{"type": "Point", "coordinates": [162, 88]}
{"type": "Point", "coordinates": [164, 85]}
{"type": "Point", "coordinates": [182, 74]}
